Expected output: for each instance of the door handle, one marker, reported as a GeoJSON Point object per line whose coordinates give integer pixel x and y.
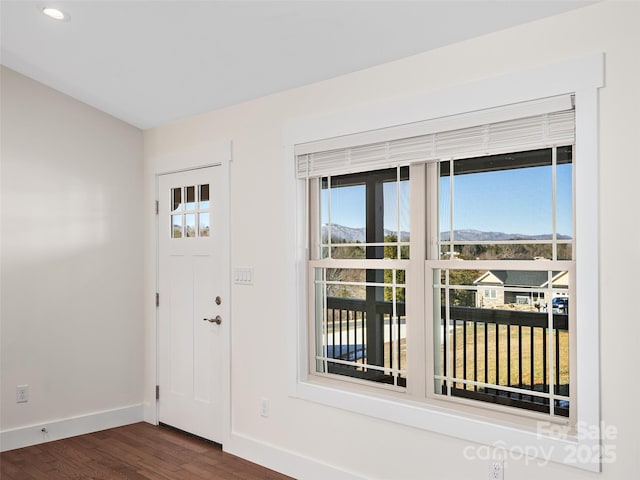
{"type": "Point", "coordinates": [217, 320]}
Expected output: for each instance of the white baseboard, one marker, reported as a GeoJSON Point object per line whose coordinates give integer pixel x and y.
{"type": "Point", "coordinates": [284, 461]}
{"type": "Point", "coordinates": [69, 427]}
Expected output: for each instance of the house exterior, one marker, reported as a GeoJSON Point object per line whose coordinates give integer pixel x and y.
{"type": "Point", "coordinates": [507, 287]}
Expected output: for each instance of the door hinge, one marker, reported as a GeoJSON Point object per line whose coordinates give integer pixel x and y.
{"type": "Point", "coordinates": [157, 299]}
{"type": "Point", "coordinates": [157, 392]}
{"type": "Point", "coordinates": [157, 207]}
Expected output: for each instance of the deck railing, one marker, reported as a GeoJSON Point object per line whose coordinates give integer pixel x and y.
{"type": "Point", "coordinates": [347, 333]}
{"type": "Point", "coordinates": [503, 357]}
{"type": "Point", "coordinates": [494, 353]}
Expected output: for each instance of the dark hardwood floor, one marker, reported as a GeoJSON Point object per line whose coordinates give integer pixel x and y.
{"type": "Point", "coordinates": [135, 452]}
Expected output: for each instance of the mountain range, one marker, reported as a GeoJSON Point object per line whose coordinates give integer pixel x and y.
{"type": "Point", "coordinates": [340, 233]}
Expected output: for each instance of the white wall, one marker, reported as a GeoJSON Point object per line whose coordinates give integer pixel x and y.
{"type": "Point", "coordinates": [72, 263]}
{"type": "Point", "coordinates": [263, 217]}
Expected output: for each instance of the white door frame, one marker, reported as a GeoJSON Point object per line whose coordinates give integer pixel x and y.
{"type": "Point", "coordinates": [210, 155]}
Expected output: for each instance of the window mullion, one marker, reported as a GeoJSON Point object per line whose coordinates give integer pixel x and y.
{"type": "Point", "coordinates": [398, 210]}
{"type": "Point", "coordinates": [431, 251]}
{"type": "Point", "coordinates": [314, 227]}
{"type": "Point", "coordinates": [329, 222]}
{"type": "Point", "coordinates": [554, 199]}
{"type": "Point", "coordinates": [417, 302]}
{"type": "Point", "coordinates": [451, 207]}
{"type": "Point", "coordinates": [552, 337]}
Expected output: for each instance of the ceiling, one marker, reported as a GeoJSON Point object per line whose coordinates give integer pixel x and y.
{"type": "Point", "coordinates": [153, 62]}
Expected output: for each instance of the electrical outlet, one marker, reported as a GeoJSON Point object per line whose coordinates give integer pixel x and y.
{"type": "Point", "coordinates": [264, 407]}
{"type": "Point", "coordinates": [22, 393]}
{"type": "Point", "coordinates": [496, 470]}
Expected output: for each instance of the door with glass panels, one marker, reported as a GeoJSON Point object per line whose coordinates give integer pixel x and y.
{"type": "Point", "coordinates": [193, 301]}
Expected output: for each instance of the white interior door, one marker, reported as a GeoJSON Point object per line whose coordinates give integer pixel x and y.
{"type": "Point", "coordinates": [193, 305]}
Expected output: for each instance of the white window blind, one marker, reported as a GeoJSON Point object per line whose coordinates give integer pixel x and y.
{"type": "Point", "coordinates": [516, 134]}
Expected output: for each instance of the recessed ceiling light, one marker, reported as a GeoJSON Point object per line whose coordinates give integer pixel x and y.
{"type": "Point", "coordinates": [55, 13]}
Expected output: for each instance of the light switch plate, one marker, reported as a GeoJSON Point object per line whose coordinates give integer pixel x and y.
{"type": "Point", "coordinates": [243, 275]}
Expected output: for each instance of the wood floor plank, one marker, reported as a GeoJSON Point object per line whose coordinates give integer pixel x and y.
{"type": "Point", "coordinates": [134, 452]}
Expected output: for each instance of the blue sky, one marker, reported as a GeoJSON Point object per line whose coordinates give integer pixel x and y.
{"type": "Point", "coordinates": [348, 206]}
{"type": "Point", "coordinates": [508, 201]}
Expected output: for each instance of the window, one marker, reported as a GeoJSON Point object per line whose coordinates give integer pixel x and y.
{"type": "Point", "coordinates": [510, 347]}
{"type": "Point", "coordinates": [190, 218]}
{"type": "Point", "coordinates": [358, 267]}
{"type": "Point", "coordinates": [491, 234]}
{"type": "Point", "coordinates": [425, 132]}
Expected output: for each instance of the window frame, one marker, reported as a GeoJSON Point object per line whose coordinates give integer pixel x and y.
{"type": "Point", "coordinates": [582, 77]}
{"type": "Point", "coordinates": [317, 260]}
{"type": "Point", "coordinates": [435, 261]}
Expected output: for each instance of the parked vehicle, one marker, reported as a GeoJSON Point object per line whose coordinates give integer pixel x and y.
{"type": "Point", "coordinates": [560, 305]}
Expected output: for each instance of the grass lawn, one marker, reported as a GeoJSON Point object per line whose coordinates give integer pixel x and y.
{"type": "Point", "coordinates": [529, 346]}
